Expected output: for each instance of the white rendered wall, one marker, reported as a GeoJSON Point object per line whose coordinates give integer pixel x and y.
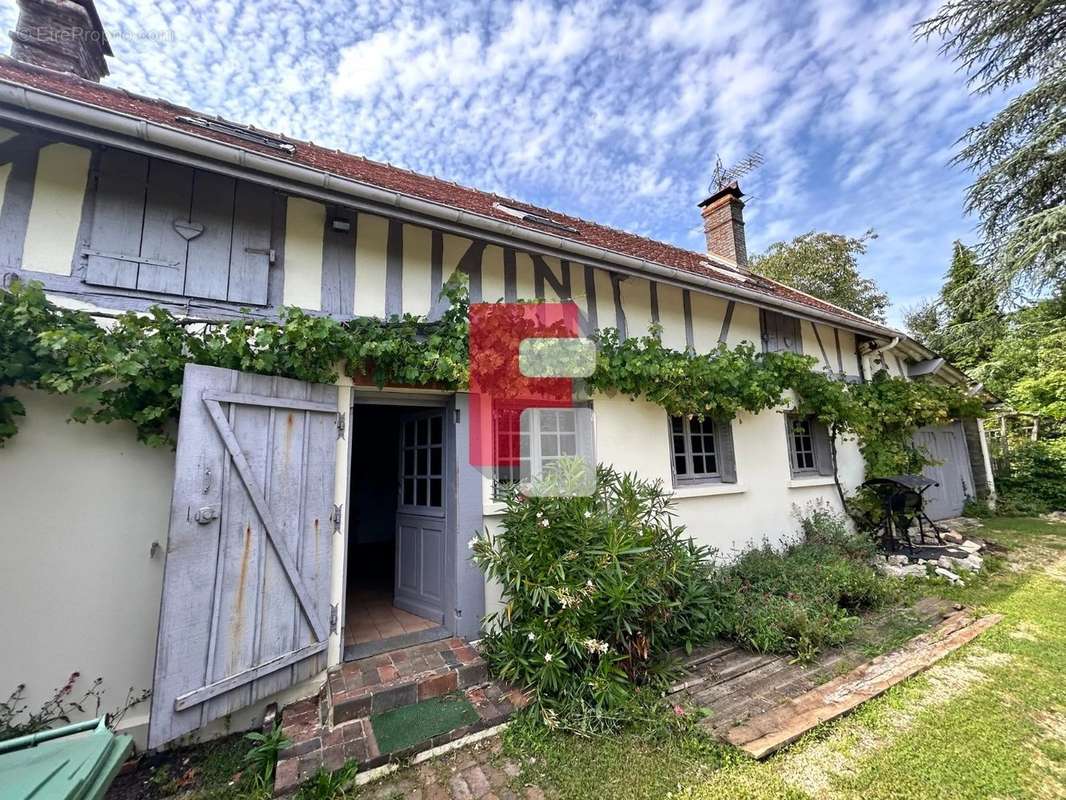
{"type": "Point", "coordinates": [82, 506]}
{"type": "Point", "coordinates": [632, 436]}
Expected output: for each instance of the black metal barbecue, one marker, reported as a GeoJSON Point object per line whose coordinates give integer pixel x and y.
{"type": "Point", "coordinates": [902, 505]}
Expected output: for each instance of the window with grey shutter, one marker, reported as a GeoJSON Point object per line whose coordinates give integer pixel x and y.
{"type": "Point", "coordinates": [780, 332]}
{"type": "Point", "coordinates": [701, 451]}
{"type": "Point", "coordinates": [809, 446]}
{"type": "Point", "coordinates": [166, 228]}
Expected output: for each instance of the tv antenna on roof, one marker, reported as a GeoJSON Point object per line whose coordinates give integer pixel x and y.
{"type": "Point", "coordinates": [723, 176]}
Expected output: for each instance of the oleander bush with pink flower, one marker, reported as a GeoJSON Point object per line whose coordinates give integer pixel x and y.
{"type": "Point", "coordinates": [596, 591]}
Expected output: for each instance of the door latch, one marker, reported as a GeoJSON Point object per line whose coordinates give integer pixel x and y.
{"type": "Point", "coordinates": [334, 613]}
{"type": "Point", "coordinates": [262, 251]}
{"type": "Point", "coordinates": [206, 515]}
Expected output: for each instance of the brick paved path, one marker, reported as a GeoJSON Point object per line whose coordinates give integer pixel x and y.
{"type": "Point", "coordinates": [478, 772]}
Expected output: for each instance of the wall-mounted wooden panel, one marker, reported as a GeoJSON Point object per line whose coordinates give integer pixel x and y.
{"type": "Point", "coordinates": [249, 267]}
{"type": "Point", "coordinates": [118, 219]}
{"type": "Point", "coordinates": [207, 268]}
{"type": "Point", "coordinates": [338, 261]}
{"type": "Point", "coordinates": [55, 215]}
{"type": "Point", "coordinates": [169, 198]}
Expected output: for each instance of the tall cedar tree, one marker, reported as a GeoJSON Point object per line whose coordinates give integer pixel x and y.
{"type": "Point", "coordinates": [1019, 157]}
{"type": "Point", "coordinates": [825, 265]}
{"type": "Point", "coordinates": [964, 323]}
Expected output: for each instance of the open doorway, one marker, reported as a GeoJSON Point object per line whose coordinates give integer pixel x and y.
{"type": "Point", "coordinates": [396, 529]}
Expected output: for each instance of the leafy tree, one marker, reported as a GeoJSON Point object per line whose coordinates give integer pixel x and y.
{"type": "Point", "coordinates": [964, 323]}
{"type": "Point", "coordinates": [1027, 367]}
{"type": "Point", "coordinates": [1020, 155]}
{"type": "Point", "coordinates": [825, 265]}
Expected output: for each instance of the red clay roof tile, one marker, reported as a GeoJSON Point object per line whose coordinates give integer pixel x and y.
{"type": "Point", "coordinates": [395, 179]}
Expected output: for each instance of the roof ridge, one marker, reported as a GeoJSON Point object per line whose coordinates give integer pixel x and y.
{"type": "Point", "coordinates": [428, 188]}
{"type": "Point", "coordinates": [348, 154]}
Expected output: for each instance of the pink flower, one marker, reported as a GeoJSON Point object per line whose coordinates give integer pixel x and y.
{"type": "Point", "coordinates": [679, 711]}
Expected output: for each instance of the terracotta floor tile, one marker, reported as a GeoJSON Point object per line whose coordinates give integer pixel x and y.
{"type": "Point", "coordinates": [371, 616]}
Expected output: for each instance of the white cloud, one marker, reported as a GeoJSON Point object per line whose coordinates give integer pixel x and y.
{"type": "Point", "coordinates": [609, 110]}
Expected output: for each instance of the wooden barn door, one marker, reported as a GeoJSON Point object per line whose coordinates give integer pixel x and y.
{"type": "Point", "coordinates": [245, 610]}
{"type": "Point", "coordinates": [946, 445]}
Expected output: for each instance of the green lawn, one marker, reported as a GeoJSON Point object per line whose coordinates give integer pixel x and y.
{"type": "Point", "coordinates": [987, 722]}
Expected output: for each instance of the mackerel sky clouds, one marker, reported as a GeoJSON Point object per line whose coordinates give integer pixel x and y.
{"type": "Point", "coordinates": [608, 111]}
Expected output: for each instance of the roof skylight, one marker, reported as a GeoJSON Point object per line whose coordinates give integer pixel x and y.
{"type": "Point", "coordinates": [529, 216]}
{"type": "Point", "coordinates": [241, 132]}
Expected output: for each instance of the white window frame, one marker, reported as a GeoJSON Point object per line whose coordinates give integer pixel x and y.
{"type": "Point", "coordinates": [537, 460]}
{"type": "Point", "coordinates": [691, 477]}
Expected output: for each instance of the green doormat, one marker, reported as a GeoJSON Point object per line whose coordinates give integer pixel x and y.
{"type": "Point", "coordinates": [408, 725]}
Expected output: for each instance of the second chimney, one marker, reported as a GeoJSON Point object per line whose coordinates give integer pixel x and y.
{"type": "Point", "coordinates": [723, 224]}
{"type": "Point", "coordinates": [64, 35]}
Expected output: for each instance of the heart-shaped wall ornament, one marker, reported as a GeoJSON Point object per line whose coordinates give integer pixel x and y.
{"type": "Point", "coordinates": [188, 230]}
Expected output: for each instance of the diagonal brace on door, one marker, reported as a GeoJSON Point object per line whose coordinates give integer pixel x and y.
{"type": "Point", "coordinates": [273, 531]}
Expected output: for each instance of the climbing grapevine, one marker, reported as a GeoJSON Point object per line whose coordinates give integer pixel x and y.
{"type": "Point", "coordinates": [131, 369]}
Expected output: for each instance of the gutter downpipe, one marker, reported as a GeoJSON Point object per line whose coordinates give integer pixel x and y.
{"type": "Point", "coordinates": [302, 180]}
{"type": "Point", "coordinates": [882, 350]}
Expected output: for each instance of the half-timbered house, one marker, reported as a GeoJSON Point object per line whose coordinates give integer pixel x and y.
{"type": "Point", "coordinates": [300, 525]}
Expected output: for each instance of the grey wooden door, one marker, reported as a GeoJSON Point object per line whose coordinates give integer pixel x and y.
{"type": "Point", "coordinates": [245, 609]}
{"type": "Point", "coordinates": [420, 517]}
{"type": "Point", "coordinates": [946, 444]}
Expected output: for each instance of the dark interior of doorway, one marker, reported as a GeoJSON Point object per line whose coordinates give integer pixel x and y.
{"type": "Point", "coordinates": [372, 623]}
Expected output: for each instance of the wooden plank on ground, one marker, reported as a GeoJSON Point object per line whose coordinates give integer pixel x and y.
{"type": "Point", "coordinates": [768, 732]}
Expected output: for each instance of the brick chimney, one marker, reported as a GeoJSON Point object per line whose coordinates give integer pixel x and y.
{"type": "Point", "coordinates": [723, 224]}
{"type": "Point", "coordinates": [64, 35]}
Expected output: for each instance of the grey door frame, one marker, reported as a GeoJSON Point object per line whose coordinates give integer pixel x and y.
{"type": "Point", "coordinates": [464, 585]}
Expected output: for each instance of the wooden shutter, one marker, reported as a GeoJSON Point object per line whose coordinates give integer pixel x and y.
{"type": "Point", "coordinates": [245, 609]}
{"type": "Point", "coordinates": [727, 460]}
{"type": "Point", "coordinates": [823, 453]}
{"type": "Point", "coordinates": [249, 263]}
{"type": "Point", "coordinates": [135, 241]}
{"type": "Point", "coordinates": [780, 332]}
{"type": "Point", "coordinates": [115, 242]}
{"type": "Point", "coordinates": [207, 271]}
{"type": "Point", "coordinates": [168, 198]}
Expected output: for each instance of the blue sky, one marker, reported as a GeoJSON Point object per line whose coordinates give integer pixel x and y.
{"type": "Point", "coordinates": [610, 112]}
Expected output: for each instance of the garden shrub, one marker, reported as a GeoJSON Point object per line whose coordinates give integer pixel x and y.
{"type": "Point", "coordinates": [806, 596]}
{"type": "Point", "coordinates": [596, 591]}
{"type": "Point", "coordinates": [1035, 481]}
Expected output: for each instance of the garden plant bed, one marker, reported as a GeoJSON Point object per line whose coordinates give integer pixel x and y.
{"type": "Point", "coordinates": [768, 732]}
{"type": "Point", "coordinates": [732, 685]}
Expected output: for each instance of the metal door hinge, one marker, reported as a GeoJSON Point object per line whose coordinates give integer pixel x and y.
{"type": "Point", "coordinates": [340, 424]}
{"type": "Point", "coordinates": [335, 516]}
{"type": "Point", "coordinates": [334, 613]}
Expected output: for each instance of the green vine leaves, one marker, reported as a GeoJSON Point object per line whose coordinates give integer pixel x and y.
{"type": "Point", "coordinates": [131, 369]}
